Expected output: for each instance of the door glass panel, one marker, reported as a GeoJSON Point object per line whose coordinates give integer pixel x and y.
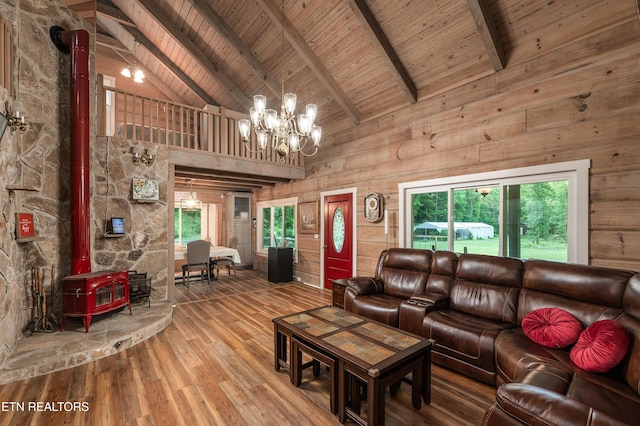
{"type": "Point", "coordinates": [429, 221]}
{"type": "Point", "coordinates": [338, 230]}
{"type": "Point", "coordinates": [475, 220]}
{"type": "Point", "coordinates": [537, 220]}
{"type": "Point", "coordinates": [290, 226]}
{"type": "Point", "coordinates": [266, 227]}
{"type": "Point", "coordinates": [277, 226]}
{"type": "Point", "coordinates": [187, 225]}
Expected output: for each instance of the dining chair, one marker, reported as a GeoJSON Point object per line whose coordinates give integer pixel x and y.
{"type": "Point", "coordinates": [197, 260]}
{"type": "Point", "coordinates": [226, 261]}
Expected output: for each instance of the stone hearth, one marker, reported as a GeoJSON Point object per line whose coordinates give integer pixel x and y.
{"type": "Point", "coordinates": [44, 353]}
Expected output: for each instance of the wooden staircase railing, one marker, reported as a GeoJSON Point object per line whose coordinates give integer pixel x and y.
{"type": "Point", "coordinates": [123, 114]}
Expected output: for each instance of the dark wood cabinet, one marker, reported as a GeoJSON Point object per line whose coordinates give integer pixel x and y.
{"type": "Point", "coordinates": [337, 299]}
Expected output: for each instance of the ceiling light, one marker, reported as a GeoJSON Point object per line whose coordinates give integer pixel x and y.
{"type": "Point", "coordinates": [283, 133]}
{"type": "Point", "coordinates": [191, 203]}
{"type": "Point", "coordinates": [133, 71]}
{"type": "Point", "coordinates": [483, 191]}
{"type": "Point", "coordinates": [138, 76]}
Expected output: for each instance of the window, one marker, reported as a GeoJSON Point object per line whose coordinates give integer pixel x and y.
{"type": "Point", "coordinates": [187, 225]}
{"type": "Point", "coordinates": [277, 224]}
{"type": "Point", "coordinates": [532, 212]}
{"type": "Point", "coordinates": [194, 224]}
{"type": "Point", "coordinates": [110, 112]}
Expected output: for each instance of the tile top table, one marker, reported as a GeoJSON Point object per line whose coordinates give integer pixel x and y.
{"type": "Point", "coordinates": [366, 350]}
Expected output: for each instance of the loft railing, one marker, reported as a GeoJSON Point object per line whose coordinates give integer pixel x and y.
{"type": "Point", "coordinates": [213, 129]}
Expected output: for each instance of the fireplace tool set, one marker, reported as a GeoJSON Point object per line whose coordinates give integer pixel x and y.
{"type": "Point", "coordinates": [40, 318]}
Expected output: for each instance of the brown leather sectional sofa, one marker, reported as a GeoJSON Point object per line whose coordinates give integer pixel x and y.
{"type": "Point", "coordinates": [473, 306]}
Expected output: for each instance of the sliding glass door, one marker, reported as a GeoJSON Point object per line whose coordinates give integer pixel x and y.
{"type": "Point", "coordinates": [538, 212]}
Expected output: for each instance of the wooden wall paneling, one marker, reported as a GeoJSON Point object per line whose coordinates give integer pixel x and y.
{"type": "Point", "coordinates": [622, 185]}
{"type": "Point", "coordinates": [609, 42]}
{"type": "Point", "coordinates": [505, 126]}
{"type": "Point", "coordinates": [371, 249]}
{"type": "Point", "coordinates": [616, 245]}
{"type": "Point", "coordinates": [630, 265]}
{"type": "Point", "coordinates": [574, 138]}
{"type": "Point", "coordinates": [616, 100]}
{"type": "Point", "coordinates": [547, 35]}
{"type": "Point", "coordinates": [619, 214]}
{"type": "Point", "coordinates": [539, 93]}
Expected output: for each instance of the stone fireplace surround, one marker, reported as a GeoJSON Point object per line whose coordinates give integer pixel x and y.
{"type": "Point", "coordinates": [36, 180]}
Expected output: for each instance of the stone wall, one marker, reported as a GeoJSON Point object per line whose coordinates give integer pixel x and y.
{"type": "Point", "coordinates": [144, 246]}
{"type": "Point", "coordinates": [35, 177]}
{"type": "Point", "coordinates": [37, 159]}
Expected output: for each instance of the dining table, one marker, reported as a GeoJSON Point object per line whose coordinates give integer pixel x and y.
{"type": "Point", "coordinates": [180, 253]}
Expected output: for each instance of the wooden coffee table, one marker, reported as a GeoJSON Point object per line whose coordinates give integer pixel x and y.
{"type": "Point", "coordinates": [365, 351]}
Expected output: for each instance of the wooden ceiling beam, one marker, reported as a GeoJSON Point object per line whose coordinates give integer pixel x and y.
{"type": "Point", "coordinates": [208, 66]}
{"type": "Point", "coordinates": [86, 9]}
{"type": "Point", "coordinates": [111, 42]}
{"type": "Point", "coordinates": [220, 26]}
{"type": "Point", "coordinates": [206, 178]}
{"type": "Point", "coordinates": [317, 67]}
{"type": "Point", "coordinates": [382, 43]}
{"type": "Point", "coordinates": [488, 32]}
{"type": "Point", "coordinates": [113, 14]}
{"type": "Point", "coordinates": [203, 180]}
{"type": "Point", "coordinates": [159, 56]}
{"type": "Point", "coordinates": [130, 59]}
{"type": "Point", "coordinates": [171, 66]}
{"type": "Point", "coordinates": [213, 174]}
{"type": "Point", "coordinates": [120, 18]}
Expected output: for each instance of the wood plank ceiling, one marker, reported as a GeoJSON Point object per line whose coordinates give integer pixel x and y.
{"type": "Point", "coordinates": [356, 59]}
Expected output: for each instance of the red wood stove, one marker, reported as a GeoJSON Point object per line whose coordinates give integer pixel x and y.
{"type": "Point", "coordinates": [94, 293]}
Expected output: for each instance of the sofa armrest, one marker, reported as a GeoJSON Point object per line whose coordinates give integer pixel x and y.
{"type": "Point", "coordinates": [364, 285]}
{"type": "Point", "coordinates": [412, 311]}
{"type": "Point", "coordinates": [533, 405]}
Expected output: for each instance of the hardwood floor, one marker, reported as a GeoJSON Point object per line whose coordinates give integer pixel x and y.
{"type": "Point", "coordinates": [213, 365]}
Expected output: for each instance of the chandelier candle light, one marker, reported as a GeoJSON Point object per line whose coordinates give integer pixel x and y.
{"type": "Point", "coordinates": [135, 72]}
{"type": "Point", "coordinates": [283, 133]}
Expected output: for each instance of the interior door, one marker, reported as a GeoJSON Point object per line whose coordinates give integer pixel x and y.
{"type": "Point", "coordinates": [338, 237]}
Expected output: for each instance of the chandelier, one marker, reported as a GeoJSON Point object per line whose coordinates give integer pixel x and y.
{"type": "Point", "coordinates": [135, 72]}
{"type": "Point", "coordinates": [191, 203]}
{"type": "Point", "coordinates": [285, 134]}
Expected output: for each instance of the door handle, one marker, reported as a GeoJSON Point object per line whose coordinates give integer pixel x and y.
{"type": "Point", "coordinates": [325, 246]}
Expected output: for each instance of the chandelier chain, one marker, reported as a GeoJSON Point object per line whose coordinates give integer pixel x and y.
{"type": "Point", "coordinates": [283, 134]}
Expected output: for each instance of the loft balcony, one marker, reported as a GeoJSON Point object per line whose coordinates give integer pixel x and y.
{"type": "Point", "coordinates": [206, 139]}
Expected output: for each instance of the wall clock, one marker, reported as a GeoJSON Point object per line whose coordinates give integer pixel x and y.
{"type": "Point", "coordinates": [373, 207]}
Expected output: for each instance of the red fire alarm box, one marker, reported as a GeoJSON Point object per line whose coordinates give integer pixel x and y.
{"type": "Point", "coordinates": [24, 225]}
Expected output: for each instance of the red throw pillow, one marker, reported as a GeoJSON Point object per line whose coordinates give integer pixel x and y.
{"type": "Point", "coordinates": [551, 327]}
{"type": "Point", "coordinates": [601, 346]}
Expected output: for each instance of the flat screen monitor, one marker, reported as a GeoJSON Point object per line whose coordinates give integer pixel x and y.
{"type": "Point", "coordinates": [116, 225]}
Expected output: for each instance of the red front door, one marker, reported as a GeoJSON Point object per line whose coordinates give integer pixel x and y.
{"type": "Point", "coordinates": [338, 237]}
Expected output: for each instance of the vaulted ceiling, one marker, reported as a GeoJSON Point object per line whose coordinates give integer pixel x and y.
{"type": "Point", "coordinates": [356, 59]}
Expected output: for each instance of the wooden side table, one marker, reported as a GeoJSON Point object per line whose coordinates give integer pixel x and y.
{"type": "Point", "coordinates": [337, 299]}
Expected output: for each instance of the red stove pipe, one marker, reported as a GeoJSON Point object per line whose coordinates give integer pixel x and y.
{"type": "Point", "coordinates": [76, 42]}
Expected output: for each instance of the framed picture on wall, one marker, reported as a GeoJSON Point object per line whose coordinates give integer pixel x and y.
{"type": "Point", "coordinates": [145, 190]}
{"type": "Point", "coordinates": [308, 217]}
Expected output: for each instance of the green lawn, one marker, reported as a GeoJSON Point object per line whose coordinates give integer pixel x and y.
{"type": "Point", "coordinates": [548, 250]}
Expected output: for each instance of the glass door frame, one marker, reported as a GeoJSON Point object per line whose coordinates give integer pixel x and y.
{"type": "Point", "coordinates": [575, 172]}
